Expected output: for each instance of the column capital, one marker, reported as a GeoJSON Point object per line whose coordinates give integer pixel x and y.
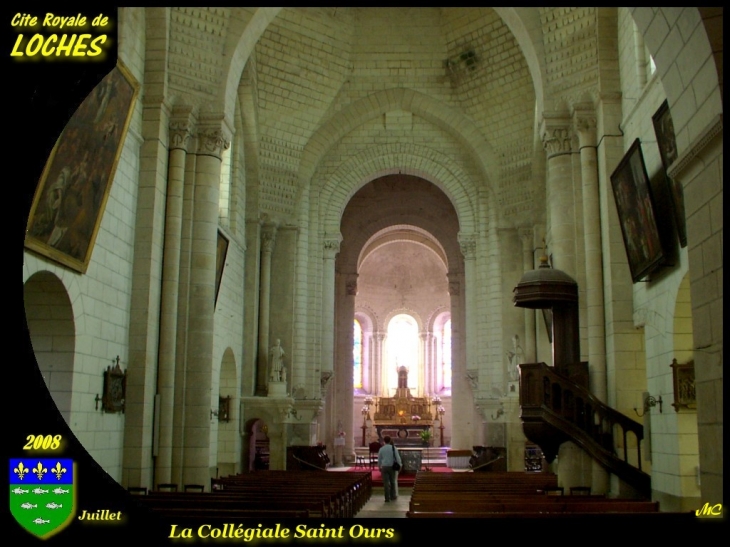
{"type": "Point", "coordinates": [468, 245]}
{"type": "Point", "coordinates": [182, 127]}
{"type": "Point", "coordinates": [214, 135]}
{"type": "Point", "coordinates": [331, 245]}
{"type": "Point", "coordinates": [556, 133]}
{"type": "Point", "coordinates": [268, 237]}
{"type": "Point", "coordinates": [585, 123]}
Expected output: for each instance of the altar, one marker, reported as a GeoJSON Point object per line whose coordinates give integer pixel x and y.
{"type": "Point", "coordinates": [402, 434]}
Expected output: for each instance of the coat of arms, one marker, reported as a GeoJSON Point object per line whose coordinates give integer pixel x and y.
{"type": "Point", "coordinates": [42, 494]}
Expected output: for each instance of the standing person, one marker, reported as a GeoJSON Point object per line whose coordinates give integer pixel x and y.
{"type": "Point", "coordinates": [388, 454]}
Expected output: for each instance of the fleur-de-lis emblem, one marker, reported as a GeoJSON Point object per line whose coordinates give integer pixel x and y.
{"type": "Point", "coordinates": [21, 471]}
{"type": "Point", "coordinates": [39, 470]}
{"type": "Point", "coordinates": [58, 470]}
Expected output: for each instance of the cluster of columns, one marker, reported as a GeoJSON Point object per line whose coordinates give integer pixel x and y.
{"type": "Point", "coordinates": [558, 132]}
{"type": "Point", "coordinates": [187, 303]}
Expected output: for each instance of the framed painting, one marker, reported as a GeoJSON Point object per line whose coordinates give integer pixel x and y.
{"type": "Point", "coordinates": [635, 207]}
{"type": "Point", "coordinates": [666, 141]}
{"type": "Point", "coordinates": [220, 260]}
{"type": "Point", "coordinates": [71, 195]}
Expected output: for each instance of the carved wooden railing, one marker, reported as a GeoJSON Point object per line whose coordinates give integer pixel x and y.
{"type": "Point", "coordinates": [554, 410]}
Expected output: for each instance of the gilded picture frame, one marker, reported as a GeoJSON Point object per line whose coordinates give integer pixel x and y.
{"type": "Point", "coordinates": [69, 201]}
{"type": "Point", "coordinates": [636, 212]}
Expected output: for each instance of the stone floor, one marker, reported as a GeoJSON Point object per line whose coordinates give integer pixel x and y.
{"type": "Point", "coordinates": [376, 508]}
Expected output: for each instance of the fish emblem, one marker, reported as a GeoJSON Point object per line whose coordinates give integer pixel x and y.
{"type": "Point", "coordinates": [54, 505]}
{"type": "Point", "coordinates": [60, 491]}
{"type": "Point", "coordinates": [41, 521]}
{"type": "Point", "coordinates": [40, 491]}
{"type": "Point", "coordinates": [20, 491]}
{"type": "Point", "coordinates": [27, 505]}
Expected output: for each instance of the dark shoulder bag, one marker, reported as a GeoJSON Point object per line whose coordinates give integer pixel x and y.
{"type": "Point", "coordinates": [396, 465]}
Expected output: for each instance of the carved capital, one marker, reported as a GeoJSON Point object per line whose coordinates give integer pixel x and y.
{"type": "Point", "coordinates": [557, 141]}
{"type": "Point", "coordinates": [212, 142]}
{"type": "Point", "coordinates": [331, 245]}
{"type": "Point", "coordinates": [268, 237]}
{"type": "Point", "coordinates": [468, 245]}
{"type": "Point", "coordinates": [556, 134]}
{"type": "Point", "coordinates": [181, 132]}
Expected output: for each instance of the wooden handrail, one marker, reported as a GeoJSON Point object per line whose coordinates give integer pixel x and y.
{"type": "Point", "coordinates": [547, 396]}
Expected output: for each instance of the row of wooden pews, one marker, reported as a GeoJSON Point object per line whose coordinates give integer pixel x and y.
{"type": "Point", "coordinates": [266, 494]}
{"type": "Point", "coordinates": [510, 495]}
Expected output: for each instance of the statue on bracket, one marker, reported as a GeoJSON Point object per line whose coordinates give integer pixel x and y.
{"type": "Point", "coordinates": [276, 362]}
{"type": "Point", "coordinates": [516, 357]}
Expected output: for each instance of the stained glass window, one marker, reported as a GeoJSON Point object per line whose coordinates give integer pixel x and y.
{"type": "Point", "coordinates": [357, 355]}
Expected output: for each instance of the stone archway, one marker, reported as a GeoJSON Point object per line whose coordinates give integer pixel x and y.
{"type": "Point", "coordinates": [51, 325]}
{"type": "Point", "coordinates": [399, 253]}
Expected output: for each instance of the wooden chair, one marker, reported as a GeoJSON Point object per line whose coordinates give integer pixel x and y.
{"type": "Point", "coordinates": [167, 487]}
{"type": "Point", "coordinates": [137, 490]}
{"type": "Point", "coordinates": [193, 488]}
{"type": "Point", "coordinates": [553, 491]}
{"type": "Point", "coordinates": [580, 490]}
{"type": "Point", "coordinates": [373, 449]}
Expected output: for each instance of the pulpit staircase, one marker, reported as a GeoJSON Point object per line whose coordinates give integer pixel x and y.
{"type": "Point", "coordinates": [555, 409]}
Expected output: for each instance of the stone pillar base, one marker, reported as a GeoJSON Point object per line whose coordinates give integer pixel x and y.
{"type": "Point", "coordinates": [277, 389]}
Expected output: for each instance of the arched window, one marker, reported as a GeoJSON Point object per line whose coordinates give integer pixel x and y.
{"type": "Point", "coordinates": [446, 354]}
{"type": "Point", "coordinates": [402, 351]}
{"type": "Point", "coordinates": [357, 355]}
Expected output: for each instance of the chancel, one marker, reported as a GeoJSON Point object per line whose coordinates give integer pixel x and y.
{"type": "Point", "coordinates": [319, 216]}
{"type": "Point", "coordinates": [403, 417]}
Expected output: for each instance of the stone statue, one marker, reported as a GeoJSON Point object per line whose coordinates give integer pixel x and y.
{"type": "Point", "coordinates": [276, 361]}
{"type": "Point", "coordinates": [516, 357]}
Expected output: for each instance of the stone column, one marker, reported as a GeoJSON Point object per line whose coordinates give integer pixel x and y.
{"type": "Point", "coordinates": [557, 139]}
{"type": "Point", "coordinates": [378, 339]}
{"type": "Point", "coordinates": [585, 123]}
{"type": "Point", "coordinates": [462, 397]}
{"type": "Point", "coordinates": [529, 349]}
{"type": "Point", "coordinates": [213, 138]}
{"type": "Point", "coordinates": [268, 237]}
{"type": "Point", "coordinates": [346, 293]}
{"type": "Point", "coordinates": [331, 246]}
{"type": "Point", "coordinates": [180, 136]}
{"type": "Point", "coordinates": [425, 372]}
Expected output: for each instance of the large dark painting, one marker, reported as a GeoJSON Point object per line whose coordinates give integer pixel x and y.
{"type": "Point", "coordinates": [73, 189]}
{"type": "Point", "coordinates": [635, 206]}
{"type": "Point", "coordinates": [664, 129]}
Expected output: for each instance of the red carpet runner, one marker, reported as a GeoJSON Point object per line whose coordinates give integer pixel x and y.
{"type": "Point", "coordinates": [404, 479]}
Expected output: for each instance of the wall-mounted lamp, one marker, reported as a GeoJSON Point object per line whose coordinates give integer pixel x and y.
{"type": "Point", "coordinates": [650, 402]}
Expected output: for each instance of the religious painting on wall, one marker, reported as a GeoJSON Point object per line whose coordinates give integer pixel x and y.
{"type": "Point", "coordinates": [70, 198]}
{"type": "Point", "coordinates": [664, 129]}
{"type": "Point", "coordinates": [636, 213]}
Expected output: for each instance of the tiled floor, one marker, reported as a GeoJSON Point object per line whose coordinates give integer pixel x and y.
{"type": "Point", "coordinates": [376, 508]}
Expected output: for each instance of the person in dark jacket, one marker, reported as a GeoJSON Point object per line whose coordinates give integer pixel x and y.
{"type": "Point", "coordinates": [386, 456]}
